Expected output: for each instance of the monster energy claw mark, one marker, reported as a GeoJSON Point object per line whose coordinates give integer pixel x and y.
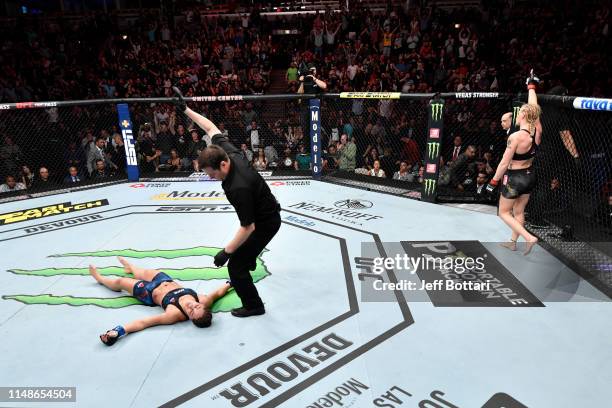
{"type": "Point", "coordinates": [430, 186]}
{"type": "Point", "coordinates": [433, 148]}
{"type": "Point", "coordinates": [436, 111]}
{"type": "Point", "coordinates": [515, 112]}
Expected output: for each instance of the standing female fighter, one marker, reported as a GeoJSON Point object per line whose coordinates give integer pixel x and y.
{"type": "Point", "coordinates": [516, 168]}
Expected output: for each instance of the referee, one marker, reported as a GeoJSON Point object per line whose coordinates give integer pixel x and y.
{"type": "Point", "coordinates": [256, 206]}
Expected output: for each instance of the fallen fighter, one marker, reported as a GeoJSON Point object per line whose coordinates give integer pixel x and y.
{"type": "Point", "coordinates": [154, 288]}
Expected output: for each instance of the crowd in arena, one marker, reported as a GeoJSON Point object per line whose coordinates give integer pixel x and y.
{"type": "Point", "coordinates": [419, 49]}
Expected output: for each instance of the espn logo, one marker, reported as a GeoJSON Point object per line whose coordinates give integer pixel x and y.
{"type": "Point", "coordinates": [130, 152]}
{"type": "Point", "coordinates": [434, 133]}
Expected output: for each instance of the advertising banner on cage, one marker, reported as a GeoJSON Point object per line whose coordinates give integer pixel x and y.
{"type": "Point", "coordinates": [125, 123]}
{"type": "Point", "coordinates": [315, 137]}
{"type": "Point", "coordinates": [433, 149]}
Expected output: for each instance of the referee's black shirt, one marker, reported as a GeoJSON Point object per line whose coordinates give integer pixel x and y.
{"type": "Point", "coordinates": [245, 189]}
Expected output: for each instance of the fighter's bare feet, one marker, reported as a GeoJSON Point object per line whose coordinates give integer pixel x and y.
{"type": "Point", "coordinates": [529, 245]}
{"type": "Point", "coordinates": [126, 265]}
{"type": "Point", "coordinates": [93, 271]}
{"type": "Point", "coordinates": [509, 245]}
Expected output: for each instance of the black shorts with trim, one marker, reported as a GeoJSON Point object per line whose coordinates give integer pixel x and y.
{"type": "Point", "coordinates": [518, 182]}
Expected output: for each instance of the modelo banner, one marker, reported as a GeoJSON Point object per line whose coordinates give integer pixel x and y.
{"type": "Point", "coordinates": [315, 137]}
{"type": "Point", "coordinates": [433, 150]}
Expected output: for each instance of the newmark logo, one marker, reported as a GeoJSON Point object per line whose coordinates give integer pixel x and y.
{"type": "Point", "coordinates": [430, 186]}
{"type": "Point", "coordinates": [433, 149]}
{"type": "Point", "coordinates": [436, 111]}
{"type": "Point", "coordinates": [344, 210]}
{"type": "Point", "coordinates": [189, 196]}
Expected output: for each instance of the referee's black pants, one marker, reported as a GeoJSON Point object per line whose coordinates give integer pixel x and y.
{"type": "Point", "coordinates": [244, 260]}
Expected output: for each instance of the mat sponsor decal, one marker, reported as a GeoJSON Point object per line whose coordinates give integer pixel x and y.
{"type": "Point", "coordinates": [344, 394]}
{"type": "Point", "coordinates": [287, 368]}
{"type": "Point", "coordinates": [48, 211]}
{"type": "Point", "coordinates": [350, 211]}
{"type": "Point", "coordinates": [64, 223]}
{"type": "Point", "coordinates": [467, 274]}
{"type": "Point", "coordinates": [279, 183]}
{"type": "Point", "coordinates": [301, 221]}
{"type": "Point", "coordinates": [200, 175]}
{"type": "Point", "coordinates": [192, 273]}
{"type": "Point", "coordinates": [186, 195]}
{"type": "Point", "coordinates": [150, 185]}
{"type": "Point", "coordinates": [195, 208]}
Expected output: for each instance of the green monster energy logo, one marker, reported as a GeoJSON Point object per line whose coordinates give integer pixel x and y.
{"type": "Point", "coordinates": [430, 186]}
{"type": "Point", "coordinates": [433, 148]}
{"type": "Point", "coordinates": [225, 304]}
{"type": "Point", "coordinates": [515, 113]}
{"type": "Point", "coordinates": [436, 111]}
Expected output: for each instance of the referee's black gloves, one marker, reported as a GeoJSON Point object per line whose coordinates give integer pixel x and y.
{"type": "Point", "coordinates": [221, 258]}
{"type": "Point", "coordinates": [180, 101]}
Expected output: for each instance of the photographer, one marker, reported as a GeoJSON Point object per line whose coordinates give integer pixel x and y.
{"type": "Point", "coordinates": [309, 83]}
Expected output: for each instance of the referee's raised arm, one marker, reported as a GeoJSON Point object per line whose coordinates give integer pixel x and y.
{"type": "Point", "coordinates": [255, 205]}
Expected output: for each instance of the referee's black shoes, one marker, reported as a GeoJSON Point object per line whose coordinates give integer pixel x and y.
{"type": "Point", "coordinates": [242, 312]}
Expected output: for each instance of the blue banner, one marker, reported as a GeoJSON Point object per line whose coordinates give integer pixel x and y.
{"type": "Point", "coordinates": [315, 137]}
{"type": "Point", "coordinates": [125, 124]}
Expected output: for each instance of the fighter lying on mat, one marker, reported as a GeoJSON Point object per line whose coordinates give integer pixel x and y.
{"type": "Point", "coordinates": [154, 288]}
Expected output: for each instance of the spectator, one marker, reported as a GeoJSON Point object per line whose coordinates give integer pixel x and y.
{"type": "Point", "coordinates": [164, 142]}
{"type": "Point", "coordinates": [246, 152]}
{"type": "Point", "coordinates": [376, 171]}
{"type": "Point", "coordinates": [26, 176]}
{"type": "Point", "coordinates": [287, 161]}
{"type": "Point", "coordinates": [174, 161]}
{"type": "Point", "coordinates": [10, 156]}
{"type": "Point", "coordinates": [260, 163]}
{"type": "Point", "coordinates": [117, 154]}
{"type": "Point", "coordinates": [101, 173]}
{"type": "Point", "coordinates": [43, 181]}
{"type": "Point", "coordinates": [330, 159]}
{"type": "Point", "coordinates": [463, 169]}
{"type": "Point", "coordinates": [348, 152]}
{"type": "Point", "coordinates": [455, 151]}
{"type": "Point", "coordinates": [96, 153]}
{"type": "Point", "coordinates": [74, 156]}
{"type": "Point", "coordinates": [403, 174]}
{"type": "Point", "coordinates": [302, 159]}
{"type": "Point", "coordinates": [11, 185]}
{"type": "Point", "coordinates": [149, 151]}
{"type": "Point", "coordinates": [292, 73]}
{"type": "Point", "coordinates": [194, 148]}
{"type": "Point", "coordinates": [73, 176]}
{"type": "Point", "coordinates": [271, 155]}
{"type": "Point", "coordinates": [479, 189]}
{"type": "Point", "coordinates": [253, 136]}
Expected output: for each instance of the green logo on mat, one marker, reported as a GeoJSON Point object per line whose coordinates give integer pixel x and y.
{"type": "Point", "coordinates": [226, 303]}
{"type": "Point", "coordinates": [430, 186]}
{"type": "Point", "coordinates": [433, 149]}
{"type": "Point", "coordinates": [436, 111]}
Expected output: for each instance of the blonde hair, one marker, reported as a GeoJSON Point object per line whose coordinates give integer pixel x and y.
{"type": "Point", "coordinates": [532, 114]}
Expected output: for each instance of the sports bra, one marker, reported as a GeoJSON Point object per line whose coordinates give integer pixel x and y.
{"type": "Point", "coordinates": [172, 298]}
{"type": "Point", "coordinates": [530, 153]}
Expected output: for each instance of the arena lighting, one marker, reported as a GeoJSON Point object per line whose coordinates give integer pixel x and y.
{"type": "Point", "coordinates": [124, 37]}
